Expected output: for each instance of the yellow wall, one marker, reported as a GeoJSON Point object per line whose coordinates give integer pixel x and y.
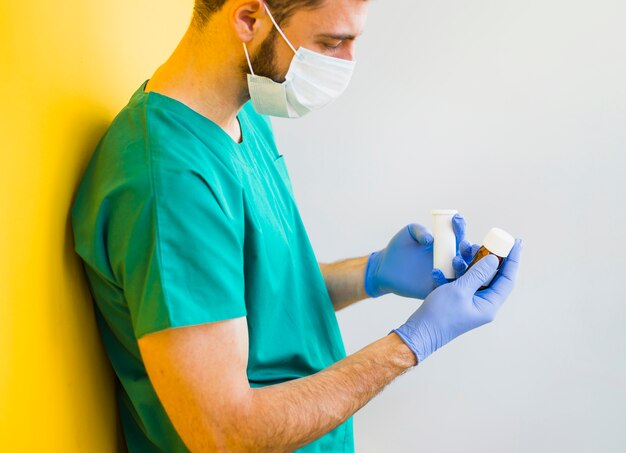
{"type": "Point", "coordinates": [66, 68]}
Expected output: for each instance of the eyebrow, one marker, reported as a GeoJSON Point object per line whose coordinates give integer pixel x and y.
{"type": "Point", "coordinates": [339, 37]}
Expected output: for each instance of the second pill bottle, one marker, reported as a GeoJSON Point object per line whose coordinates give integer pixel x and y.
{"type": "Point", "coordinates": [497, 242]}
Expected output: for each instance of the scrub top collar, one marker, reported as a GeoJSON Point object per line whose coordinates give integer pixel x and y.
{"type": "Point", "coordinates": [201, 119]}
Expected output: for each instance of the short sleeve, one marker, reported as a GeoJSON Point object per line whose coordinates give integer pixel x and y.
{"type": "Point", "coordinates": [178, 248]}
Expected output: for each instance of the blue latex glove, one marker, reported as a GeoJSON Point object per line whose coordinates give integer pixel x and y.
{"type": "Point", "coordinates": [405, 266]}
{"type": "Point", "coordinates": [457, 307]}
{"type": "Point", "coordinates": [464, 257]}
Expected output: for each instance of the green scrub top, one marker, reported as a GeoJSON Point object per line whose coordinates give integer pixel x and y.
{"type": "Point", "coordinates": [178, 225]}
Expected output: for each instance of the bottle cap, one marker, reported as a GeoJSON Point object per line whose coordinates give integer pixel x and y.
{"type": "Point", "coordinates": [443, 211]}
{"type": "Point", "coordinates": [499, 242]}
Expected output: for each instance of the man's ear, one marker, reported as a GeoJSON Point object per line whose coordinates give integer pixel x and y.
{"type": "Point", "coordinates": [247, 18]}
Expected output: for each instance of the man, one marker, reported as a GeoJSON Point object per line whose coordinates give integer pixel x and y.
{"type": "Point", "coordinates": [217, 318]}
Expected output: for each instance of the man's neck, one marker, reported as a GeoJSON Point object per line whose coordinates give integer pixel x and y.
{"type": "Point", "coordinates": [204, 82]}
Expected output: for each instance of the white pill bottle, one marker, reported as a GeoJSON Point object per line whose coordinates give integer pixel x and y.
{"type": "Point", "coordinates": [444, 244]}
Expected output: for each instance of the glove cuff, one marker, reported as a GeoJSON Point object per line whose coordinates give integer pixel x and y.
{"type": "Point", "coordinates": [411, 339]}
{"type": "Point", "coordinates": [370, 284]}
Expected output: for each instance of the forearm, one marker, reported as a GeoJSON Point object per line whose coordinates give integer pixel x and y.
{"type": "Point", "coordinates": [286, 416]}
{"type": "Point", "coordinates": [345, 281]}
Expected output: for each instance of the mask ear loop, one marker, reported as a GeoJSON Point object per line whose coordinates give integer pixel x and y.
{"type": "Point", "coordinates": [278, 28]}
{"type": "Point", "coordinates": [245, 49]}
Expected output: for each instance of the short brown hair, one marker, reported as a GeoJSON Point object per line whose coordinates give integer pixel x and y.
{"type": "Point", "coordinates": [281, 9]}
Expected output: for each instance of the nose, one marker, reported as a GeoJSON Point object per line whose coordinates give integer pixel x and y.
{"type": "Point", "coordinates": [348, 52]}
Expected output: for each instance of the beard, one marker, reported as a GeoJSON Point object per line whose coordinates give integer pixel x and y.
{"type": "Point", "coordinates": [263, 62]}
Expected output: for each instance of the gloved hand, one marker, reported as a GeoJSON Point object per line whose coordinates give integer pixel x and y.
{"type": "Point", "coordinates": [460, 263]}
{"type": "Point", "coordinates": [457, 307]}
{"type": "Point", "coordinates": [405, 266]}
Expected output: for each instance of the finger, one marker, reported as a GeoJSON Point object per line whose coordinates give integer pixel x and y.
{"type": "Point", "coordinates": [459, 265]}
{"type": "Point", "coordinates": [470, 253]}
{"type": "Point", "coordinates": [503, 283]}
{"type": "Point", "coordinates": [480, 273]}
{"type": "Point", "coordinates": [465, 248]}
{"type": "Point", "coordinates": [420, 233]}
{"type": "Point", "coordinates": [439, 278]}
{"type": "Point", "coordinates": [458, 226]}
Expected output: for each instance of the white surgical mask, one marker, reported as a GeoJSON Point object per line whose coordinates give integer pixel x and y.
{"type": "Point", "coordinates": [313, 81]}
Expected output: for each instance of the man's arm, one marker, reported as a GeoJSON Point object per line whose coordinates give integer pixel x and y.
{"type": "Point", "coordinates": [403, 267]}
{"type": "Point", "coordinates": [199, 374]}
{"type": "Point", "coordinates": [345, 281]}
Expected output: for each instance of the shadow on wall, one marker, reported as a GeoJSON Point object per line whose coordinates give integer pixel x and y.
{"type": "Point", "coordinates": [66, 70]}
{"type": "Point", "coordinates": [90, 127]}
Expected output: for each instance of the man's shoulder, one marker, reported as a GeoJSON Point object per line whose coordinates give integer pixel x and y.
{"type": "Point", "coordinates": [154, 128]}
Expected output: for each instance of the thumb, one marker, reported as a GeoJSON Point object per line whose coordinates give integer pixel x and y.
{"type": "Point", "coordinates": [420, 233]}
{"type": "Point", "coordinates": [479, 274]}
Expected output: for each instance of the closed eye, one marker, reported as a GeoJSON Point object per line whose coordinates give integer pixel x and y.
{"type": "Point", "coordinates": [333, 47]}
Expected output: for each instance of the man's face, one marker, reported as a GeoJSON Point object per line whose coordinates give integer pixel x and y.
{"type": "Point", "coordinates": [331, 29]}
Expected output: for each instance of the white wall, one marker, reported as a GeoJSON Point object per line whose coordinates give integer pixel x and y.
{"type": "Point", "coordinates": [513, 112]}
